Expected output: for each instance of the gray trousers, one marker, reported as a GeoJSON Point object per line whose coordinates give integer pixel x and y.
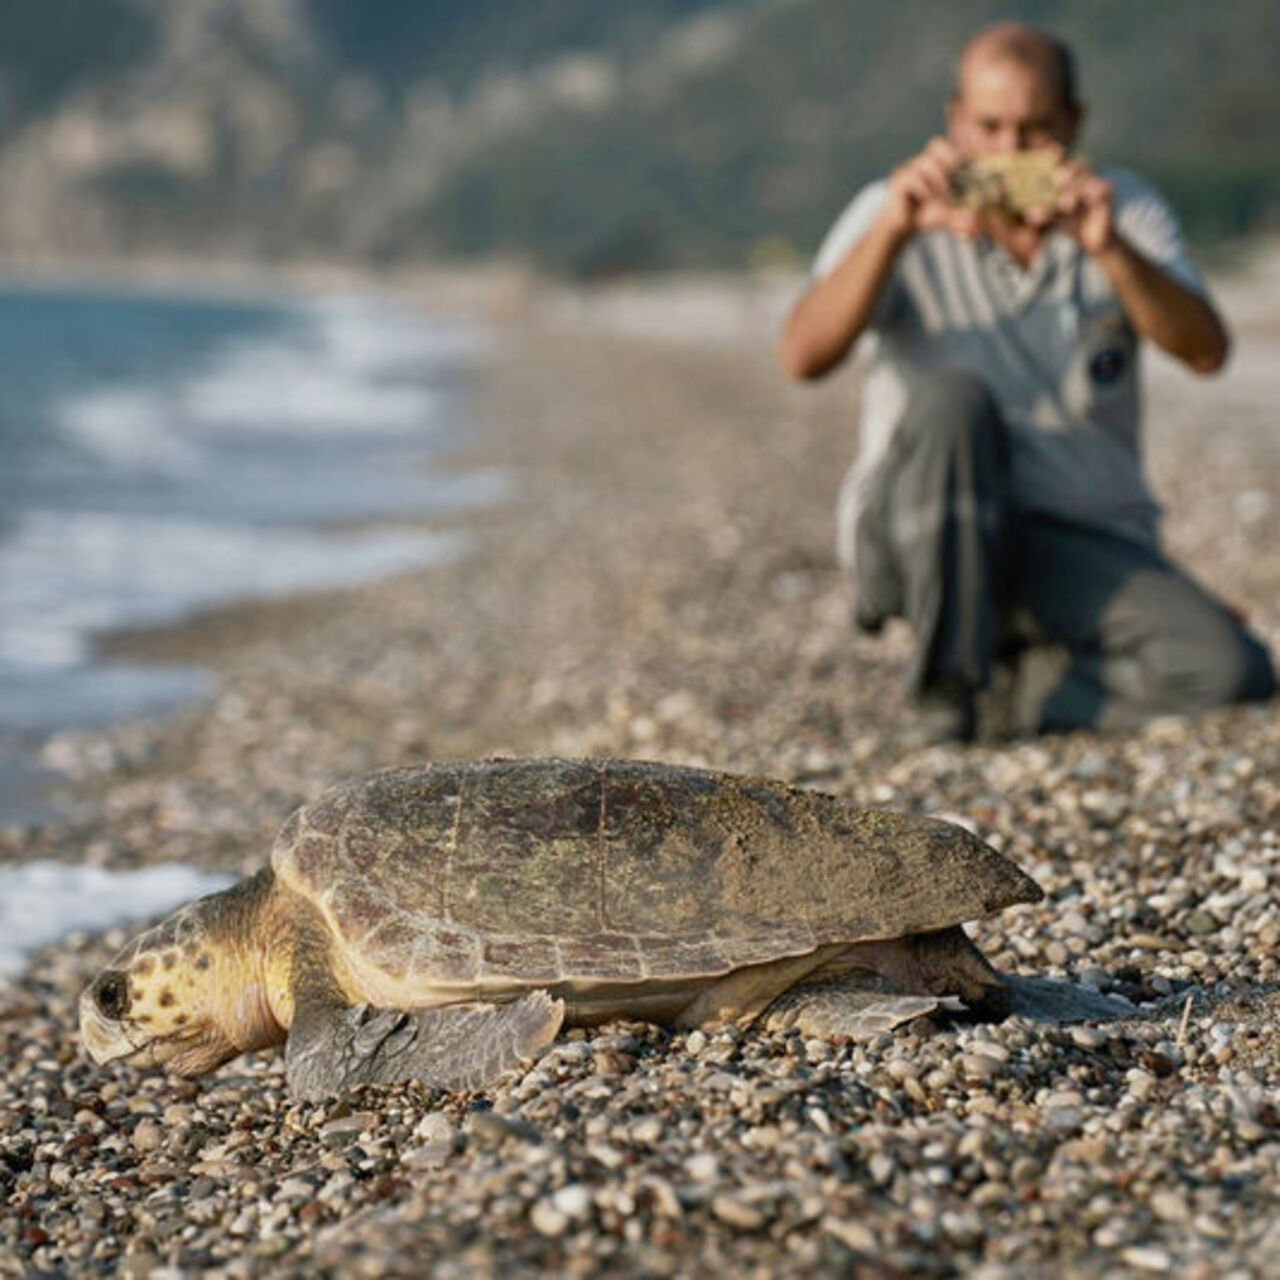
{"type": "Point", "coordinates": [1087, 628]}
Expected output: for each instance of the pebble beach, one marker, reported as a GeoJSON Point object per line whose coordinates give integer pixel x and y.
{"type": "Point", "coordinates": [660, 582]}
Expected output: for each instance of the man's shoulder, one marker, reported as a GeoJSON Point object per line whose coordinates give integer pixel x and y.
{"type": "Point", "coordinates": [870, 193]}
{"type": "Point", "coordinates": [1130, 187]}
{"type": "Point", "coordinates": [1148, 221]}
{"type": "Point", "coordinates": [851, 225]}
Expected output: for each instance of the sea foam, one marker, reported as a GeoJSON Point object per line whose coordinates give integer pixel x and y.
{"type": "Point", "coordinates": [42, 902]}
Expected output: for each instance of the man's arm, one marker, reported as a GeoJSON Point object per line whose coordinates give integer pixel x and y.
{"type": "Point", "coordinates": [1177, 319]}
{"type": "Point", "coordinates": [832, 315]}
{"type": "Point", "coordinates": [835, 311]}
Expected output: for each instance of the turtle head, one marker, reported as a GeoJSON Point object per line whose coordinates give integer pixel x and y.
{"type": "Point", "coordinates": [184, 994]}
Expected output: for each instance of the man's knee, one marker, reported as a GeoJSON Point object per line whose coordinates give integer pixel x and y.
{"type": "Point", "coordinates": [950, 406]}
{"type": "Point", "coordinates": [1257, 675]}
{"type": "Point", "coordinates": [1217, 666]}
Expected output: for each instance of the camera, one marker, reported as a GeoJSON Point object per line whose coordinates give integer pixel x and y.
{"type": "Point", "coordinates": [1014, 182]}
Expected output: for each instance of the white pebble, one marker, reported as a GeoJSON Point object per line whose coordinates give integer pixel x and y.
{"type": "Point", "coordinates": [1168, 1206]}
{"type": "Point", "coordinates": [547, 1219]}
{"type": "Point", "coordinates": [574, 1200]}
{"type": "Point", "coordinates": [647, 1130]}
{"type": "Point", "coordinates": [1147, 1257]}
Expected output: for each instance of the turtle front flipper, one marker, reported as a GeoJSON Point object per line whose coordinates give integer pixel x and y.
{"type": "Point", "coordinates": [333, 1047]}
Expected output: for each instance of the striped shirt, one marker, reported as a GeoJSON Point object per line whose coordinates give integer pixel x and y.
{"type": "Point", "coordinates": [1051, 341]}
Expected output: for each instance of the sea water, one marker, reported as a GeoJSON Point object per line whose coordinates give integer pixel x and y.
{"type": "Point", "coordinates": [161, 454]}
{"type": "Point", "coordinates": [43, 901]}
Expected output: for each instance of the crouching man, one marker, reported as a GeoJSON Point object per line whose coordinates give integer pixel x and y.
{"type": "Point", "coordinates": [998, 502]}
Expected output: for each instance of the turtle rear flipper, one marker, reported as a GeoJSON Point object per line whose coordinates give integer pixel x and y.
{"type": "Point", "coordinates": [333, 1047]}
{"type": "Point", "coordinates": [847, 1010]}
{"type": "Point", "coordinates": [1052, 1000]}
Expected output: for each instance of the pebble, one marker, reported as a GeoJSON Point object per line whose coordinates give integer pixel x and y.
{"type": "Point", "coordinates": [981, 1067]}
{"type": "Point", "coordinates": [702, 1167]}
{"type": "Point", "coordinates": [1140, 1083]}
{"type": "Point", "coordinates": [490, 1129]}
{"type": "Point", "coordinates": [1063, 1098]}
{"type": "Point", "coordinates": [1090, 1038]}
{"type": "Point", "coordinates": [1147, 1257]}
{"type": "Point", "coordinates": [349, 1127]}
{"type": "Point", "coordinates": [647, 1132]}
{"type": "Point", "coordinates": [1169, 1206]}
{"type": "Point", "coordinates": [990, 1049]}
{"type": "Point", "coordinates": [1060, 1120]}
{"type": "Point", "coordinates": [856, 1236]}
{"type": "Point", "coordinates": [1111, 1235]}
{"type": "Point", "coordinates": [610, 1063]}
{"type": "Point", "coordinates": [547, 1219]}
{"type": "Point", "coordinates": [435, 1129]}
{"type": "Point", "coordinates": [666, 1203]}
{"type": "Point", "coordinates": [148, 1136]}
{"type": "Point", "coordinates": [574, 1201]}
{"type": "Point", "coordinates": [738, 1212]}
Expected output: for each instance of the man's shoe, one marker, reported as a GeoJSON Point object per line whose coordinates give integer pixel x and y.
{"type": "Point", "coordinates": [942, 717]}
{"type": "Point", "coordinates": [867, 619]}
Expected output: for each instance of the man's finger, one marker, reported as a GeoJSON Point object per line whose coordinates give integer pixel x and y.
{"type": "Point", "coordinates": [1069, 201]}
{"type": "Point", "coordinates": [934, 215]}
{"type": "Point", "coordinates": [1068, 176]}
{"type": "Point", "coordinates": [944, 152]}
{"type": "Point", "coordinates": [912, 183]}
{"type": "Point", "coordinates": [1039, 215]}
{"type": "Point", "coordinates": [1096, 190]}
{"type": "Point", "coordinates": [935, 175]}
{"type": "Point", "coordinates": [964, 222]}
{"type": "Point", "coordinates": [925, 183]}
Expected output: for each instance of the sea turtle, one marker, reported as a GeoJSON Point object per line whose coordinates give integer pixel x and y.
{"type": "Point", "coordinates": [442, 922]}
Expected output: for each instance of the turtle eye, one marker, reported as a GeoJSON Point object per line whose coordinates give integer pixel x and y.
{"type": "Point", "coordinates": [111, 994]}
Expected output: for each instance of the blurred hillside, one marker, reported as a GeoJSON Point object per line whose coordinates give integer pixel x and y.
{"type": "Point", "coordinates": [584, 137]}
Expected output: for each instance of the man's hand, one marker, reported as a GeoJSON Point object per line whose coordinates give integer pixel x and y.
{"type": "Point", "coordinates": [1177, 319]}
{"type": "Point", "coordinates": [1086, 209]}
{"type": "Point", "coordinates": [921, 197]}
{"type": "Point", "coordinates": [828, 320]}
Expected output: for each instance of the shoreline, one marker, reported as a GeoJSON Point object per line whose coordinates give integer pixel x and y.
{"type": "Point", "coordinates": [662, 583]}
{"type": "Point", "coordinates": [330, 540]}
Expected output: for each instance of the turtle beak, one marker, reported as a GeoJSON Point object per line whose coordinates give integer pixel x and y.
{"type": "Point", "coordinates": [103, 1038]}
{"type": "Point", "coordinates": [103, 1007]}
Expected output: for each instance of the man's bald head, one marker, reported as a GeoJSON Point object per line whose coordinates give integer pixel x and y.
{"type": "Point", "coordinates": [1015, 91]}
{"type": "Point", "coordinates": [1027, 47]}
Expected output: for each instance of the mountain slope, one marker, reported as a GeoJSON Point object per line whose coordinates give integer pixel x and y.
{"type": "Point", "coordinates": [585, 137]}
